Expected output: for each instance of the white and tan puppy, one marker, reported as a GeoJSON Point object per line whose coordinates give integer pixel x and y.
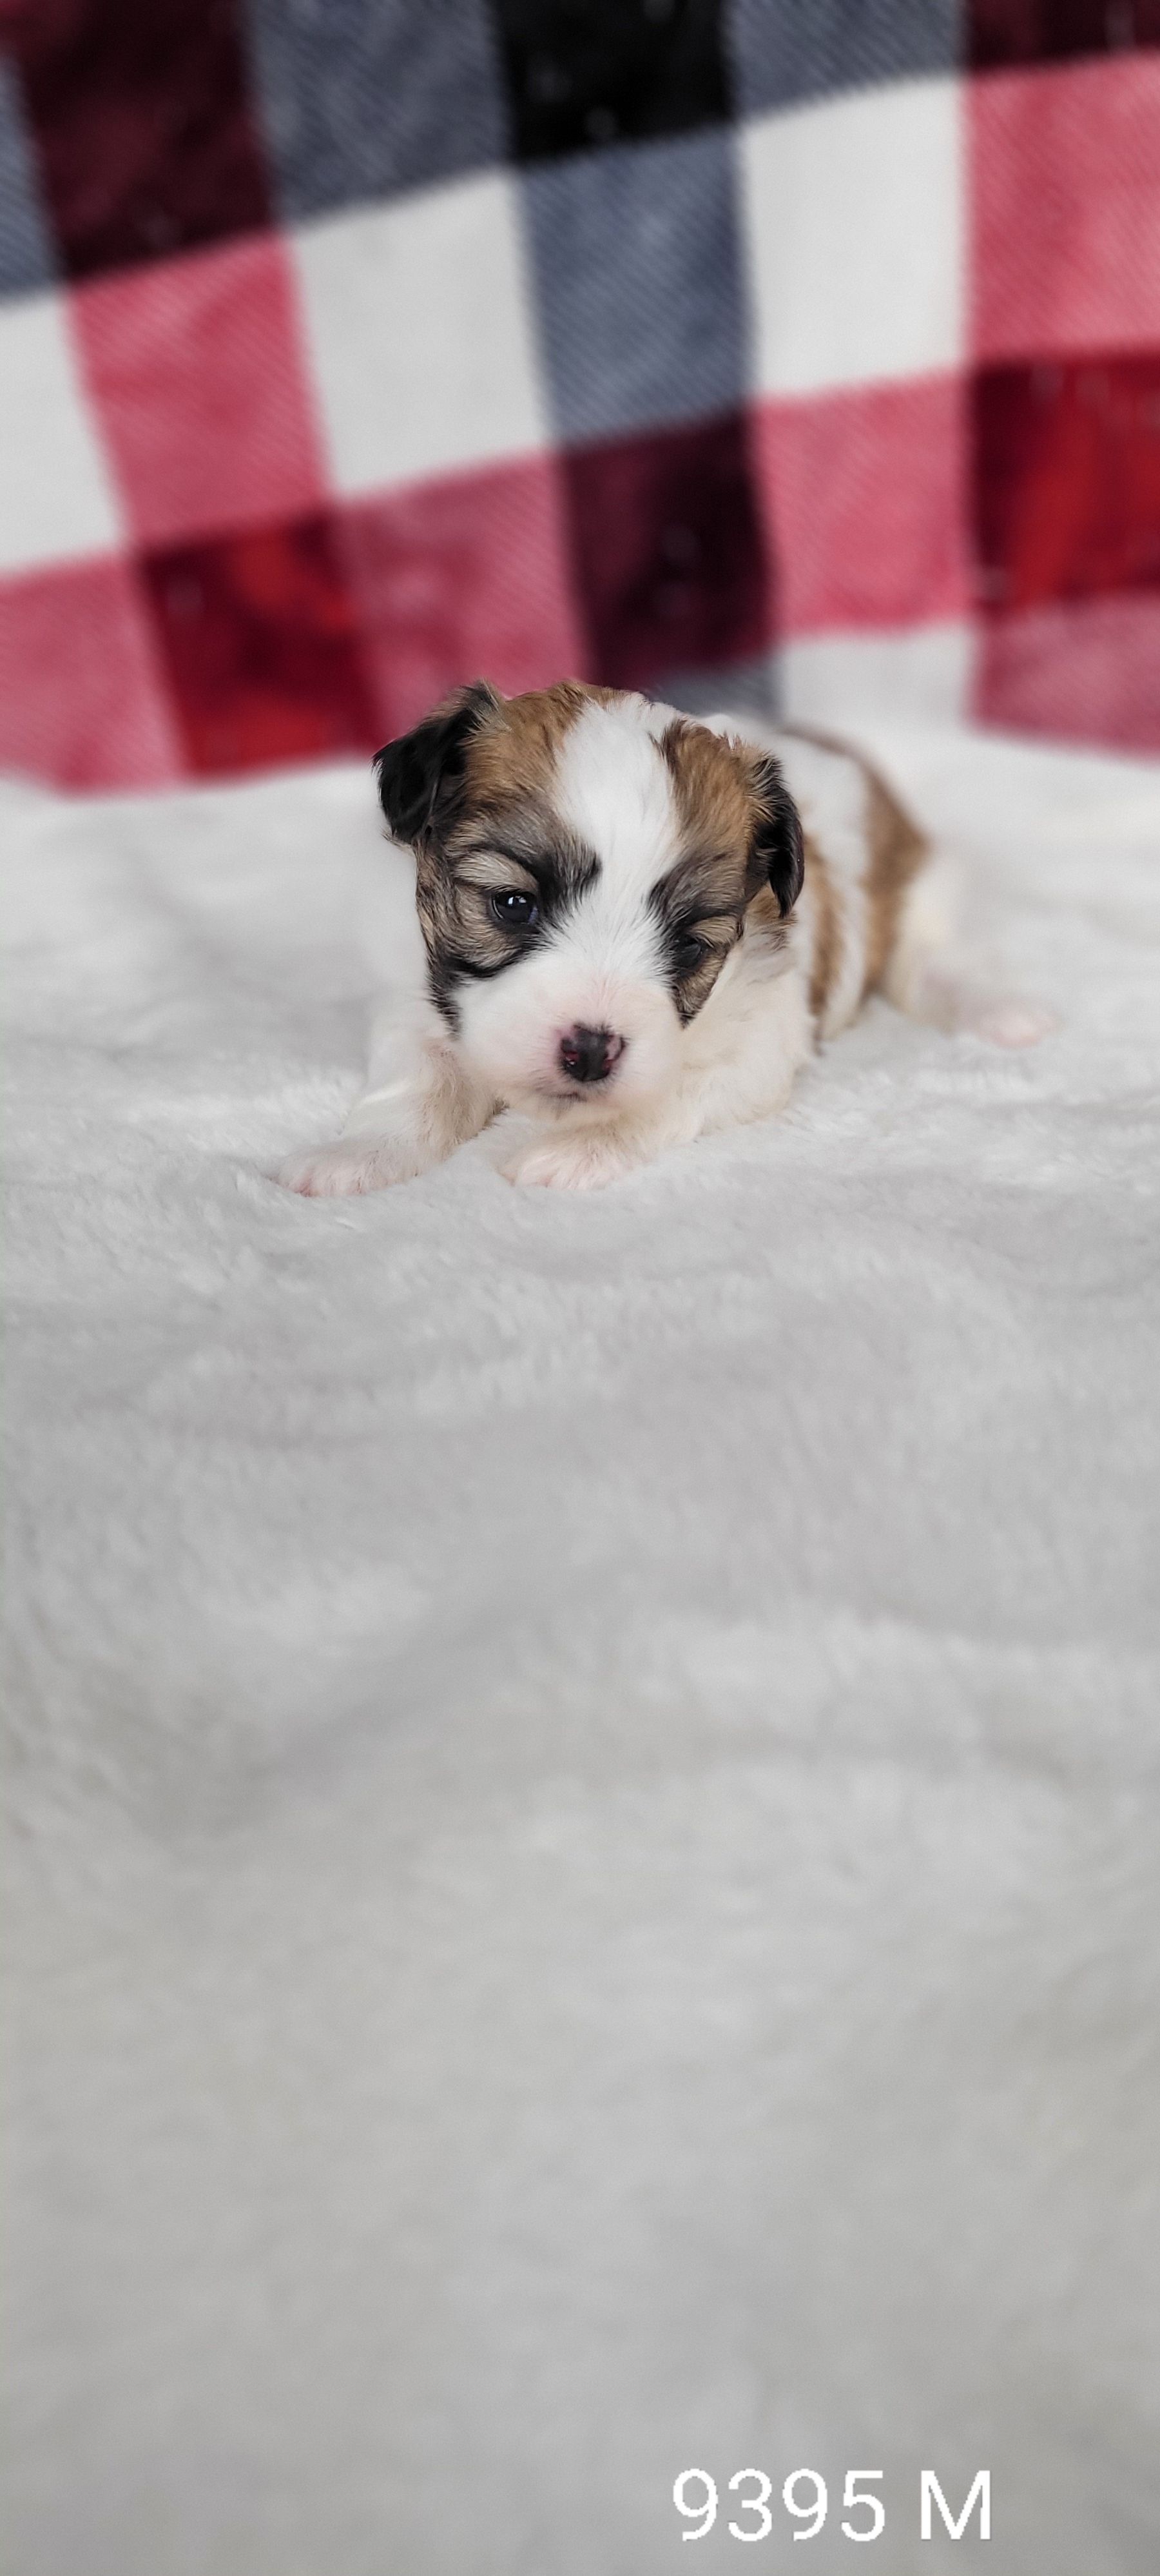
{"type": "Point", "coordinates": [637, 926]}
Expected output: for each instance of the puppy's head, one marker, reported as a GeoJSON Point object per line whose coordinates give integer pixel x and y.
{"type": "Point", "coordinates": [586, 862]}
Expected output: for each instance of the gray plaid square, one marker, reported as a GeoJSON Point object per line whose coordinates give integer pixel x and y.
{"type": "Point", "coordinates": [785, 50]}
{"type": "Point", "coordinates": [26, 259]}
{"type": "Point", "coordinates": [639, 303]}
{"type": "Point", "coordinates": [362, 98]}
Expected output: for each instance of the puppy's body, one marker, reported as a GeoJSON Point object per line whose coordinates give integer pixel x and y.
{"type": "Point", "coordinates": [637, 927]}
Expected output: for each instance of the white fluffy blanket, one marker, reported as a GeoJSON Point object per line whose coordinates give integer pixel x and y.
{"type": "Point", "coordinates": [585, 1867]}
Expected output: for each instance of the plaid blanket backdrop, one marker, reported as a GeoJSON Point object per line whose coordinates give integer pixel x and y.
{"type": "Point", "coordinates": [804, 352]}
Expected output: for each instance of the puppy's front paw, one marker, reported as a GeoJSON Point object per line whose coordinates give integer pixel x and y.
{"type": "Point", "coordinates": [352, 1164]}
{"type": "Point", "coordinates": [585, 1161]}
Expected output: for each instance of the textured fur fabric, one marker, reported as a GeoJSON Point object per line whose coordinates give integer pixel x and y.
{"type": "Point", "coordinates": [584, 1871]}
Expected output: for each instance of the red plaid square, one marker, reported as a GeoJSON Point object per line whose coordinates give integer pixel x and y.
{"type": "Point", "coordinates": [1067, 479]}
{"type": "Point", "coordinates": [262, 643]}
{"type": "Point", "coordinates": [864, 494]}
{"type": "Point", "coordinates": [144, 137]}
{"type": "Point", "coordinates": [1065, 192]}
{"type": "Point", "coordinates": [84, 697]}
{"type": "Point", "coordinates": [460, 577]}
{"type": "Point", "coordinates": [1088, 670]}
{"type": "Point", "coordinates": [669, 552]}
{"type": "Point", "coordinates": [197, 375]}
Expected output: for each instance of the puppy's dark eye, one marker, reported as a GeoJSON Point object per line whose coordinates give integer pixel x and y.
{"type": "Point", "coordinates": [516, 911]}
{"type": "Point", "coordinates": [689, 953]}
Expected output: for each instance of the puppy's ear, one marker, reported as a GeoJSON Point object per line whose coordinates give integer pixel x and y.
{"type": "Point", "coordinates": [419, 773]}
{"type": "Point", "coordinates": [777, 858]}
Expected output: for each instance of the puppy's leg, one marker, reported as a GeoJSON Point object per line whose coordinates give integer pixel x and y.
{"type": "Point", "coordinates": [421, 1108]}
{"type": "Point", "coordinates": [585, 1155]}
{"type": "Point", "coordinates": [932, 975]}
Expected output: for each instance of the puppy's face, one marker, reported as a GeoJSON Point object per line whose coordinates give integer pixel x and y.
{"type": "Point", "coordinates": [585, 865]}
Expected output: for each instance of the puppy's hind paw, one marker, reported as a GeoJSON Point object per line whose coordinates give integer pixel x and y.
{"type": "Point", "coordinates": [351, 1165]}
{"type": "Point", "coordinates": [963, 1001]}
{"type": "Point", "coordinates": [1009, 1021]}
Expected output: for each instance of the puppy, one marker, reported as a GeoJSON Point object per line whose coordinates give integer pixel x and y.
{"type": "Point", "coordinates": [637, 926]}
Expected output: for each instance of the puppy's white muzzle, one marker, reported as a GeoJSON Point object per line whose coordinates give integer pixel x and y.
{"type": "Point", "coordinates": [551, 1032]}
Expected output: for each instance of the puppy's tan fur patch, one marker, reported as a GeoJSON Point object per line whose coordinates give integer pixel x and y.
{"type": "Point", "coordinates": [713, 792]}
{"type": "Point", "coordinates": [826, 926]}
{"type": "Point", "coordinates": [513, 755]}
{"type": "Point", "coordinates": [896, 850]}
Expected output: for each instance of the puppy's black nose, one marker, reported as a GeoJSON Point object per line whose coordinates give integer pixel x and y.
{"type": "Point", "coordinates": [588, 1055]}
